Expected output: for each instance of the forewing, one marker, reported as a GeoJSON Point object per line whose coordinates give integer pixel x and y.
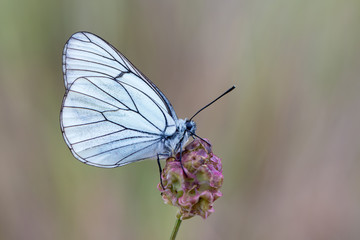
{"type": "Point", "coordinates": [87, 55]}
{"type": "Point", "coordinates": [109, 123]}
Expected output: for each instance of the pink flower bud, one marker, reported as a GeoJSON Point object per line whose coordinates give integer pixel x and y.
{"type": "Point", "coordinates": [194, 192]}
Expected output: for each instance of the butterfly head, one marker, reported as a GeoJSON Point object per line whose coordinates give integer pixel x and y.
{"type": "Point", "coordinates": [190, 126]}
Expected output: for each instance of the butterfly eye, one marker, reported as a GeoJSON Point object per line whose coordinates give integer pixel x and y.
{"type": "Point", "coordinates": [190, 126]}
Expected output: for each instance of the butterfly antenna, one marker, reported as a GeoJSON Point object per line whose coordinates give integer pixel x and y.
{"type": "Point", "coordinates": [229, 90]}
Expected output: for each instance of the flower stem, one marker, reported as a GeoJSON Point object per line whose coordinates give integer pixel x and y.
{"type": "Point", "coordinates": [176, 229]}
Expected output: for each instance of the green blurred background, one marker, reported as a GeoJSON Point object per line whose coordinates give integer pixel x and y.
{"type": "Point", "coordinates": [288, 135]}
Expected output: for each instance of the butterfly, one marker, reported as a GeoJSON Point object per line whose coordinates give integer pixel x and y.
{"type": "Point", "coordinates": [112, 114]}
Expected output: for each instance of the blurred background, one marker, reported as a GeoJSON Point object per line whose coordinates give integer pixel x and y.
{"type": "Point", "coordinates": [288, 135]}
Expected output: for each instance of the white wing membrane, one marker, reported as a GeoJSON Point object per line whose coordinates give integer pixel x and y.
{"type": "Point", "coordinates": [102, 90]}
{"type": "Point", "coordinates": [131, 152]}
{"type": "Point", "coordinates": [111, 114]}
{"type": "Point", "coordinates": [86, 133]}
{"type": "Point", "coordinates": [87, 55]}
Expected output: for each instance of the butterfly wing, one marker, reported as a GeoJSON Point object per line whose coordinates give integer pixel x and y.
{"type": "Point", "coordinates": [112, 114]}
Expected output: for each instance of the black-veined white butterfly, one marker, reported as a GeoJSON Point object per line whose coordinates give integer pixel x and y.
{"type": "Point", "coordinates": [111, 113]}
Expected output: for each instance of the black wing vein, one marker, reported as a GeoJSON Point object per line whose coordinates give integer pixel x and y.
{"type": "Point", "coordinates": [127, 145]}
{"type": "Point", "coordinates": [141, 149]}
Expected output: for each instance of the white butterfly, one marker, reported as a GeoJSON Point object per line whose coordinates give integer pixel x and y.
{"type": "Point", "coordinates": [112, 114]}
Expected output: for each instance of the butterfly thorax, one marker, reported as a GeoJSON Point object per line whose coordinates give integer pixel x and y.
{"type": "Point", "coordinates": [184, 129]}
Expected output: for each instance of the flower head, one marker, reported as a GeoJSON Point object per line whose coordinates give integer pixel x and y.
{"type": "Point", "coordinates": [194, 191]}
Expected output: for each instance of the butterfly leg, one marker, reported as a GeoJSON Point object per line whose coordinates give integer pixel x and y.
{"type": "Point", "coordinates": [160, 170]}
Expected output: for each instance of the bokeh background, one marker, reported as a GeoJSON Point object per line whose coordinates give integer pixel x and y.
{"type": "Point", "coordinates": [288, 135]}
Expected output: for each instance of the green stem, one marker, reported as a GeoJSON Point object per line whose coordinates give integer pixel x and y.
{"type": "Point", "coordinates": [176, 229]}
